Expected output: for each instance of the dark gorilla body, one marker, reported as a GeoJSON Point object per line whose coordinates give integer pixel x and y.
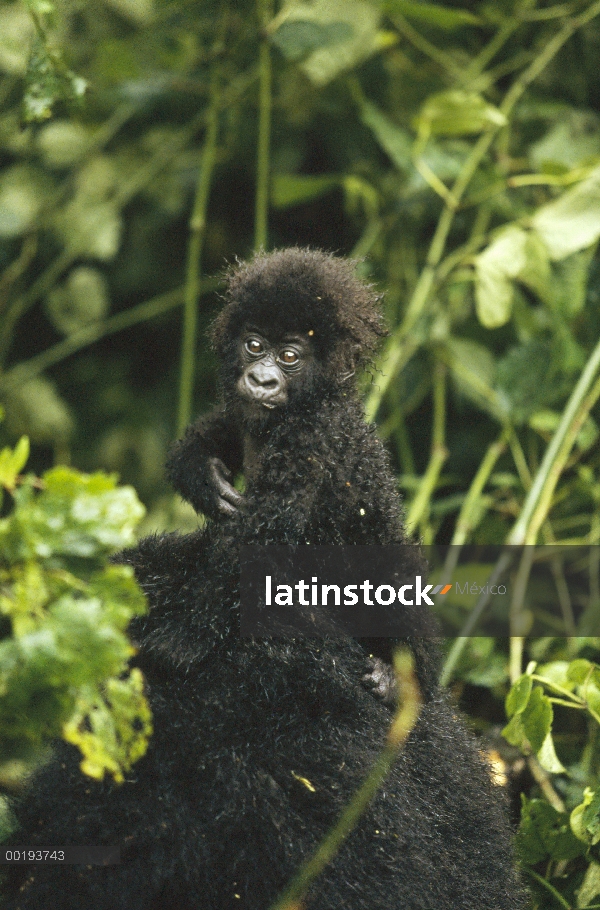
{"type": "Point", "coordinates": [217, 815]}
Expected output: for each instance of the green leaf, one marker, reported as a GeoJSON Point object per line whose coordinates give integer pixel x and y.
{"type": "Point", "coordinates": [47, 81]}
{"type": "Point", "coordinates": [536, 272]}
{"type": "Point", "coordinates": [352, 26]}
{"type": "Point", "coordinates": [360, 197]}
{"type": "Point", "coordinates": [80, 301]}
{"type": "Point", "coordinates": [548, 758]}
{"type": "Point", "coordinates": [40, 8]}
{"type": "Point", "coordinates": [490, 674]}
{"type": "Point", "coordinates": [140, 12]}
{"type": "Point", "coordinates": [514, 732]}
{"type": "Point", "coordinates": [111, 728]}
{"type": "Point", "coordinates": [526, 378]}
{"type": "Point", "coordinates": [296, 38]}
{"type": "Point", "coordinates": [495, 268]}
{"type": "Point", "coordinates": [296, 189]}
{"type": "Point", "coordinates": [35, 409]}
{"type": "Point", "coordinates": [16, 32]}
{"type": "Point", "coordinates": [591, 692]}
{"type": "Point", "coordinates": [544, 832]}
{"type": "Point", "coordinates": [530, 844]}
{"type": "Point", "coordinates": [63, 143]}
{"type": "Point", "coordinates": [569, 283]}
{"type": "Point", "coordinates": [573, 139]}
{"type": "Point", "coordinates": [587, 435]}
{"type": "Point", "coordinates": [90, 224]}
{"type": "Point", "coordinates": [432, 13]}
{"type": "Point", "coordinates": [580, 670]}
{"type": "Point", "coordinates": [585, 818]}
{"type": "Point", "coordinates": [590, 886]}
{"type": "Point", "coordinates": [591, 818]}
{"type": "Point", "coordinates": [457, 113]}
{"type": "Point", "coordinates": [537, 718]}
{"type": "Point", "coordinates": [473, 371]}
{"type": "Point", "coordinates": [493, 296]}
{"type": "Point", "coordinates": [544, 422]}
{"type": "Point", "coordinates": [556, 672]}
{"type": "Point", "coordinates": [12, 462]}
{"type": "Point", "coordinates": [571, 222]}
{"type": "Point", "coordinates": [393, 139]}
{"type": "Point", "coordinates": [63, 667]}
{"type": "Point", "coordinates": [91, 228]}
{"type": "Point", "coordinates": [23, 191]}
{"type": "Point", "coordinates": [517, 698]}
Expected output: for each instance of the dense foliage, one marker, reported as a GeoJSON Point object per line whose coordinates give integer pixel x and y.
{"type": "Point", "coordinates": [64, 612]}
{"type": "Point", "coordinates": [456, 148]}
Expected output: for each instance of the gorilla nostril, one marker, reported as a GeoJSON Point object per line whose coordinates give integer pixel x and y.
{"type": "Point", "coordinates": [263, 379]}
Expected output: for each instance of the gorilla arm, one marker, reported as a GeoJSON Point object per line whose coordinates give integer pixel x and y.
{"type": "Point", "coordinates": [201, 465]}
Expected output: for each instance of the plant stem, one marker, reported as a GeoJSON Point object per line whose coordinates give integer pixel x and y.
{"type": "Point", "coordinates": [546, 884]}
{"type": "Point", "coordinates": [444, 60]}
{"type": "Point", "coordinates": [439, 453]}
{"type": "Point", "coordinates": [265, 12]}
{"type": "Point", "coordinates": [538, 500]}
{"type": "Point", "coordinates": [475, 615]}
{"type": "Point", "coordinates": [516, 614]}
{"type": "Point", "coordinates": [194, 257]}
{"type": "Point", "coordinates": [150, 309]}
{"type": "Point", "coordinates": [38, 289]}
{"type": "Point", "coordinates": [481, 61]}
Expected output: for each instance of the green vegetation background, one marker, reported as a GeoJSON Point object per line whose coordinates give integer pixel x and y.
{"type": "Point", "coordinates": [455, 151]}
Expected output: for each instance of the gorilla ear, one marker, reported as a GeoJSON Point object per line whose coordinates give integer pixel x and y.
{"type": "Point", "coordinates": [345, 360]}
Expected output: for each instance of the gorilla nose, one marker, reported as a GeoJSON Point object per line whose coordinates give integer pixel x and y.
{"type": "Point", "coordinates": [263, 377]}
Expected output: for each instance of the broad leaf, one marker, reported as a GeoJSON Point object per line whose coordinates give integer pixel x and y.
{"type": "Point", "coordinates": [328, 36]}
{"type": "Point", "coordinates": [432, 14]}
{"type": "Point", "coordinates": [295, 189]}
{"type": "Point", "coordinates": [545, 833]}
{"type": "Point", "coordinates": [571, 222]}
{"type": "Point", "coordinates": [81, 300]}
{"type": "Point", "coordinates": [517, 698]}
{"type": "Point", "coordinates": [296, 38]}
{"type": "Point", "coordinates": [590, 886]}
{"type": "Point", "coordinates": [393, 139]}
{"type": "Point", "coordinates": [457, 113]}
{"type": "Point", "coordinates": [495, 268]}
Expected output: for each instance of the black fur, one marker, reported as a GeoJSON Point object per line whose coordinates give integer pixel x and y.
{"type": "Point", "coordinates": [218, 814]}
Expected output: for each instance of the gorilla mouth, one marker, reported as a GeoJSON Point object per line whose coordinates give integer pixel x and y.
{"type": "Point", "coordinates": [266, 404]}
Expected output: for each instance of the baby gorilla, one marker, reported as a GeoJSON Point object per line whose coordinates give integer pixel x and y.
{"type": "Point", "coordinates": [260, 742]}
{"type": "Point", "coordinates": [272, 375]}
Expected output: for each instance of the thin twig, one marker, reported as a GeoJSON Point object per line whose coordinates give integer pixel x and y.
{"type": "Point", "coordinates": [439, 453]}
{"type": "Point", "coordinates": [537, 502]}
{"type": "Point", "coordinates": [265, 11]}
{"type": "Point", "coordinates": [194, 257]}
{"type": "Point", "coordinates": [143, 312]}
{"type": "Point", "coordinates": [443, 59]}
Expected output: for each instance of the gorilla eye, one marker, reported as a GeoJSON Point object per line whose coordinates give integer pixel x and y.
{"type": "Point", "coordinates": [254, 346]}
{"type": "Point", "coordinates": [289, 357]}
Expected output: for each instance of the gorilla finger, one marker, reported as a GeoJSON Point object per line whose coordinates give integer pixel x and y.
{"type": "Point", "coordinates": [232, 495]}
{"type": "Point", "coordinates": [219, 468]}
{"type": "Point", "coordinates": [225, 507]}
